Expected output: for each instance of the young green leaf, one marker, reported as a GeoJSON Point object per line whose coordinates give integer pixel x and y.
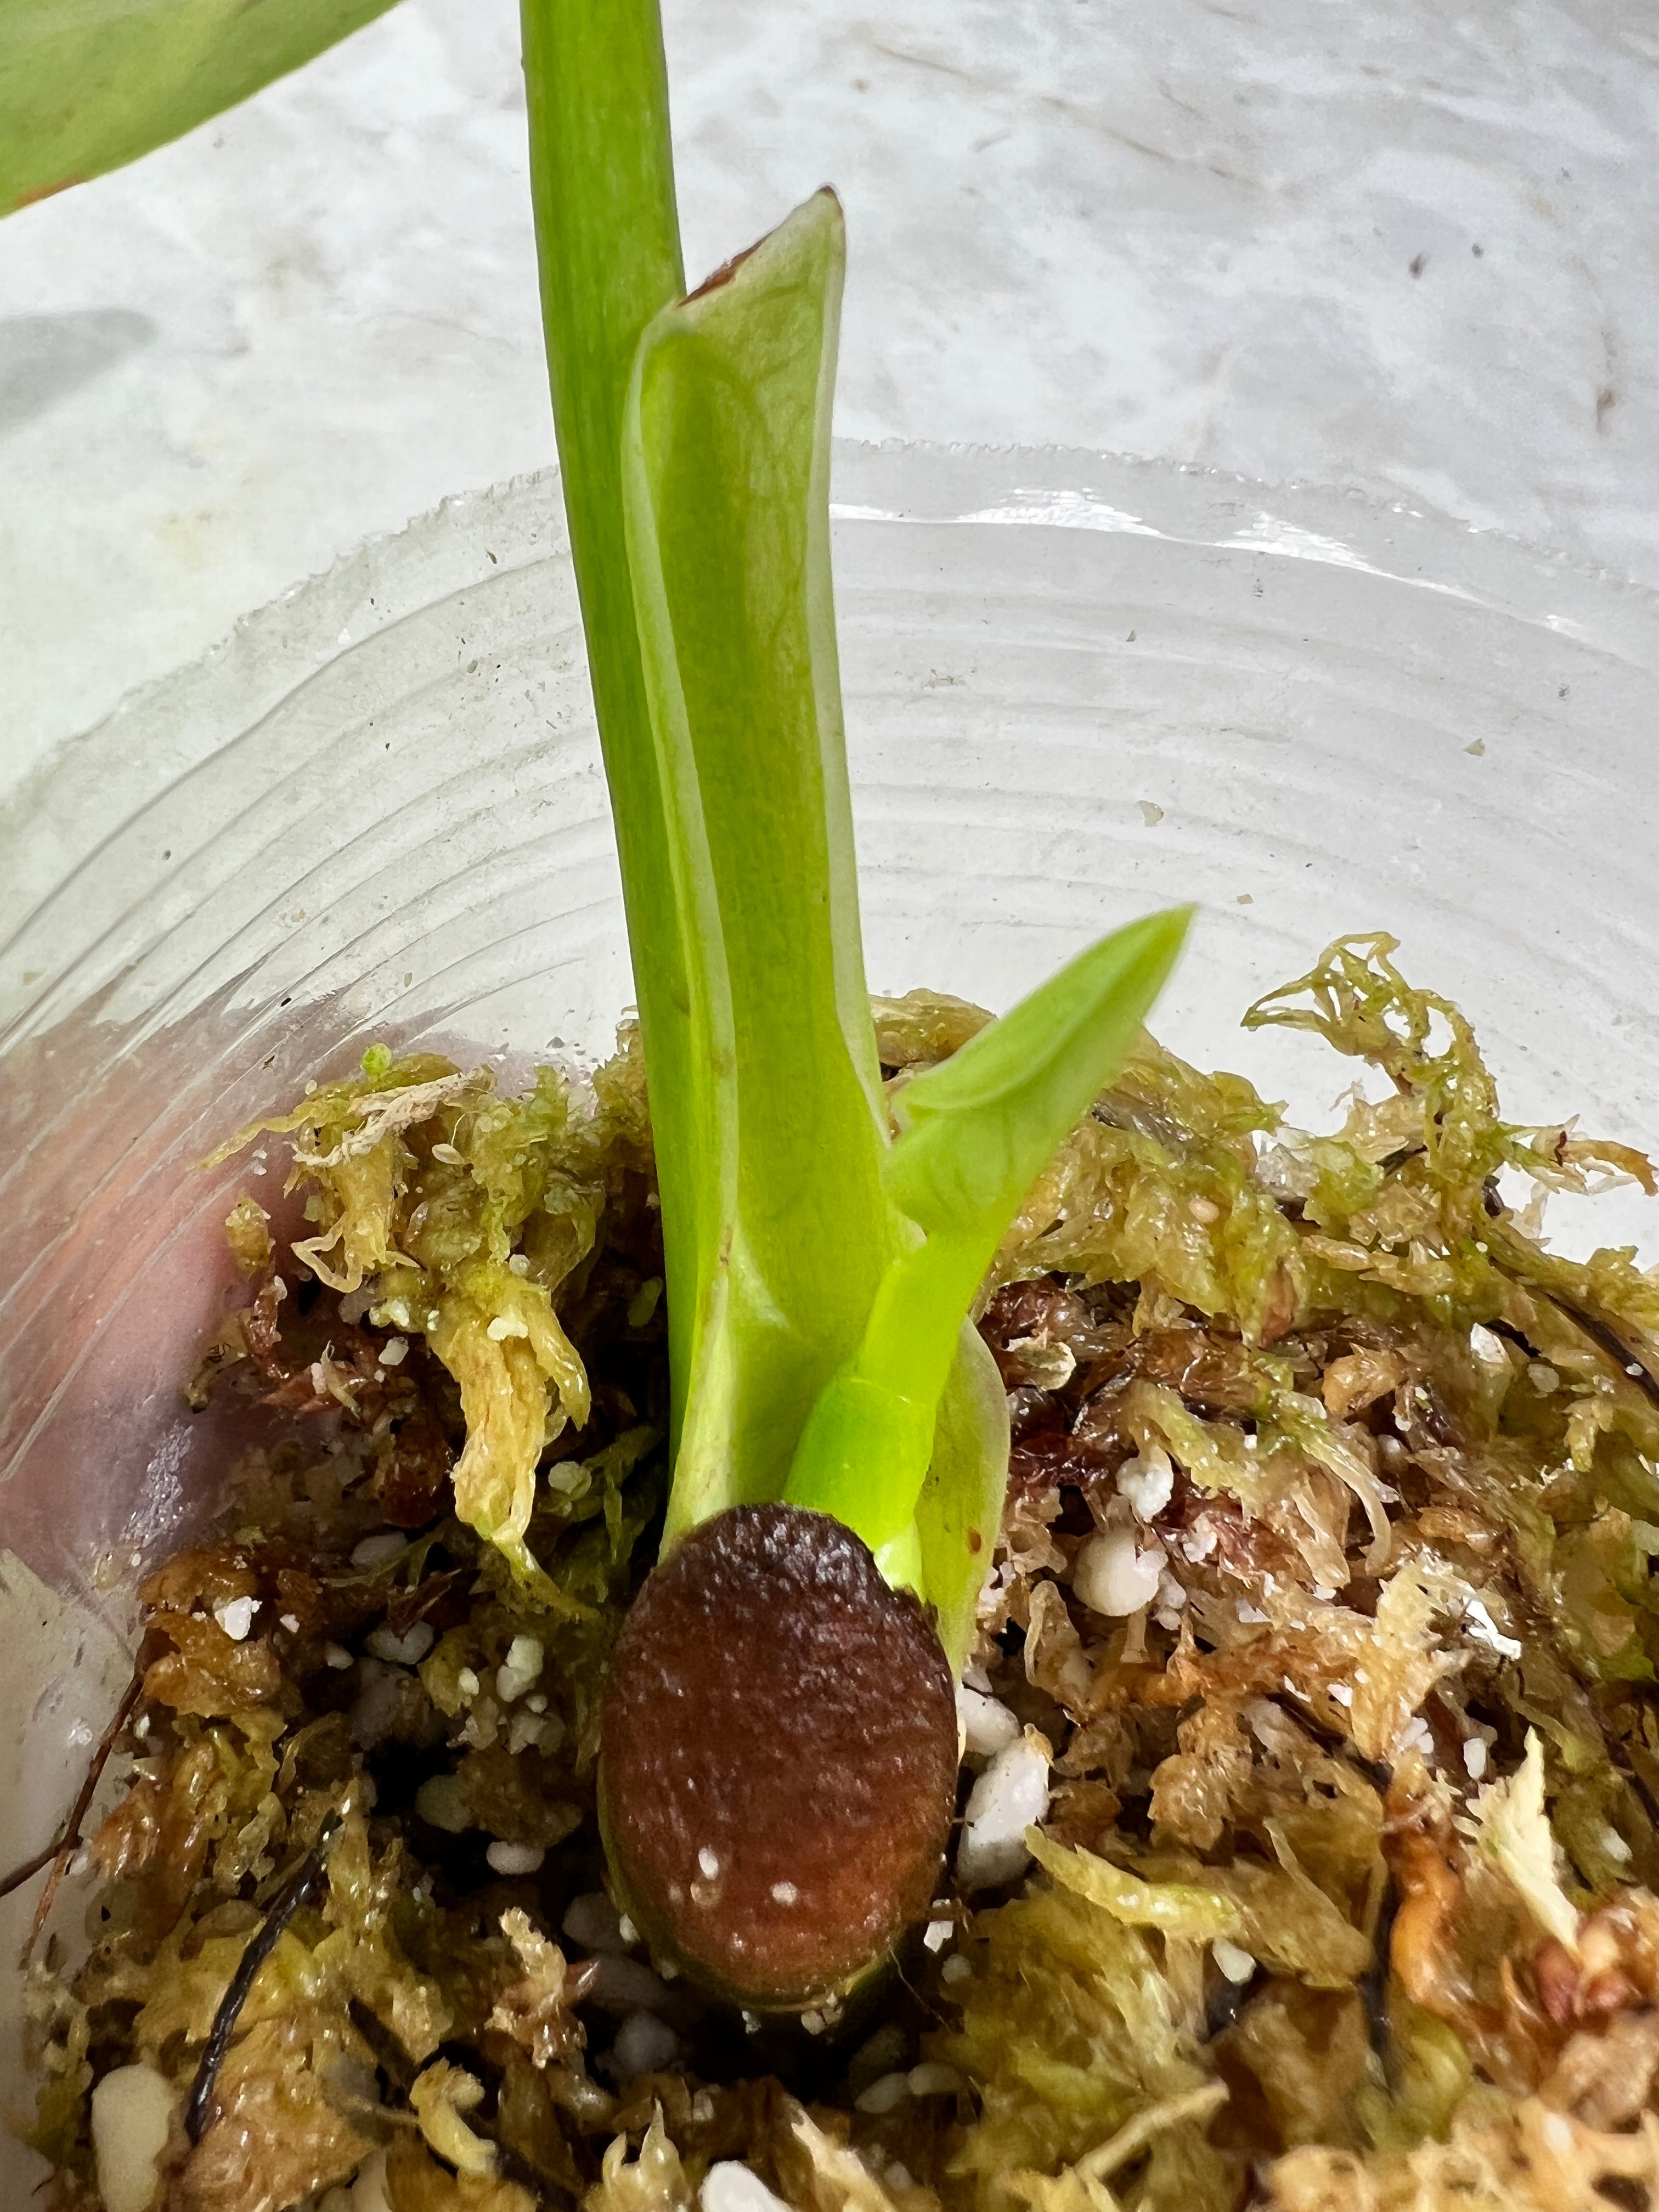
{"type": "Point", "coordinates": [87, 85]}
{"type": "Point", "coordinates": [976, 1132]}
{"type": "Point", "coordinates": [725, 466]}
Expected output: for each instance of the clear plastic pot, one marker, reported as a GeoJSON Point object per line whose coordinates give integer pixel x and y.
{"type": "Point", "coordinates": [1076, 688]}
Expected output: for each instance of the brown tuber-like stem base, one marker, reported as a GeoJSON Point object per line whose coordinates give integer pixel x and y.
{"type": "Point", "coordinates": [779, 1758]}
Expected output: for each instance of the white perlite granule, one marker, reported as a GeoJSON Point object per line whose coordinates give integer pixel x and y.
{"type": "Point", "coordinates": [515, 1858]}
{"type": "Point", "coordinates": [520, 1669]}
{"type": "Point", "coordinates": [1147, 1482]}
{"type": "Point", "coordinates": [235, 1616]}
{"type": "Point", "coordinates": [1113, 1577]}
{"type": "Point", "coordinates": [131, 2118]}
{"type": "Point", "coordinates": [987, 1726]}
{"type": "Point", "coordinates": [1009, 1797]}
{"type": "Point", "coordinates": [729, 2186]}
{"type": "Point", "coordinates": [405, 1651]}
{"type": "Point", "coordinates": [1234, 1961]}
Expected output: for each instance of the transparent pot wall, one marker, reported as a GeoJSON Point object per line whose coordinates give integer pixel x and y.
{"type": "Point", "coordinates": [1075, 689]}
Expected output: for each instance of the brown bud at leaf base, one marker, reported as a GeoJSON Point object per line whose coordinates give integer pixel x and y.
{"type": "Point", "coordinates": [779, 1758]}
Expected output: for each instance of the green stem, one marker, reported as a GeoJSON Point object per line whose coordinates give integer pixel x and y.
{"type": "Point", "coordinates": [602, 183]}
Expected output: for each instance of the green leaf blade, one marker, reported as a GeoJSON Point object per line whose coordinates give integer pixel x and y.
{"type": "Point", "coordinates": [979, 1129]}
{"type": "Point", "coordinates": [87, 86]}
{"type": "Point", "coordinates": [726, 464]}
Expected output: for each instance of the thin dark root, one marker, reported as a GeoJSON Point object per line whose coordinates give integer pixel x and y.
{"type": "Point", "coordinates": [1600, 1330]}
{"type": "Point", "coordinates": [389, 2054]}
{"type": "Point", "coordinates": [1602, 1333]}
{"type": "Point", "coordinates": [29, 1868]}
{"type": "Point", "coordinates": [57, 1855]}
{"type": "Point", "coordinates": [283, 1906]}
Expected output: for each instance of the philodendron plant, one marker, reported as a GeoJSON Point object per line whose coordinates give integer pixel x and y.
{"type": "Point", "coordinates": [779, 1749]}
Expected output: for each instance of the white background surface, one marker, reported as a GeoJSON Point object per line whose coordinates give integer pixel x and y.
{"type": "Point", "coordinates": [1184, 229]}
